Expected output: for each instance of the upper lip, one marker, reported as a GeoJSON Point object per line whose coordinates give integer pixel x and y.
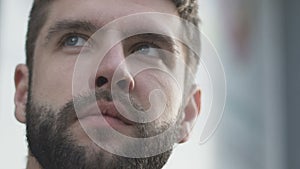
{"type": "Point", "coordinates": [103, 108]}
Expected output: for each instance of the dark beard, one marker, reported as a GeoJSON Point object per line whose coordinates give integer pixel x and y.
{"type": "Point", "coordinates": [52, 144]}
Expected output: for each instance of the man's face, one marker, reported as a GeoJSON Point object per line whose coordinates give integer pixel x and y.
{"type": "Point", "coordinates": [60, 135]}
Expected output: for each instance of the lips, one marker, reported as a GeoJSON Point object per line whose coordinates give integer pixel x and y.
{"type": "Point", "coordinates": [105, 109]}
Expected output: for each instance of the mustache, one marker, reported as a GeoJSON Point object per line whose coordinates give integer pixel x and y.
{"type": "Point", "coordinates": [82, 101]}
{"type": "Point", "coordinates": [67, 115]}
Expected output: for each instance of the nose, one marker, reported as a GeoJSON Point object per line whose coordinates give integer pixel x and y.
{"type": "Point", "coordinates": [108, 66]}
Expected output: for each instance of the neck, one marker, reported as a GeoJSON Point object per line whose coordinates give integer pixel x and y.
{"type": "Point", "coordinates": [32, 163]}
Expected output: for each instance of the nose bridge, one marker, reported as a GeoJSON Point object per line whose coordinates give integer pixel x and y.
{"type": "Point", "coordinates": [111, 62]}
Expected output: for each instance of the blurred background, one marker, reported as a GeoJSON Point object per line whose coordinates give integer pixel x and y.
{"type": "Point", "coordinates": [258, 42]}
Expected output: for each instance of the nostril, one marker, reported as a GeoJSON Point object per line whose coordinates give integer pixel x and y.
{"type": "Point", "coordinates": [122, 84]}
{"type": "Point", "coordinates": [100, 81]}
{"type": "Point", "coordinates": [126, 84]}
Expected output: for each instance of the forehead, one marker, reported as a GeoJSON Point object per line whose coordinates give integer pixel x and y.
{"type": "Point", "coordinates": [104, 11]}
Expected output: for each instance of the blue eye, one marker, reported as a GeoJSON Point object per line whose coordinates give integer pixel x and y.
{"type": "Point", "coordinates": [74, 41]}
{"type": "Point", "coordinates": [142, 49]}
{"type": "Point", "coordinates": [146, 49]}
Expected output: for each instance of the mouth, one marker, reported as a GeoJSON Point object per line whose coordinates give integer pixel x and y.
{"type": "Point", "coordinates": [101, 113]}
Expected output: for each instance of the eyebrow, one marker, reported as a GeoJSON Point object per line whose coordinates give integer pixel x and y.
{"type": "Point", "coordinates": [71, 25]}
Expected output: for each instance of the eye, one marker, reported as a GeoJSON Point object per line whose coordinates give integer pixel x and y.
{"type": "Point", "coordinates": [146, 49]}
{"type": "Point", "coordinates": [74, 41]}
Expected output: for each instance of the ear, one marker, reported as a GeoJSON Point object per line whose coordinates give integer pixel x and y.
{"type": "Point", "coordinates": [21, 84]}
{"type": "Point", "coordinates": [191, 112]}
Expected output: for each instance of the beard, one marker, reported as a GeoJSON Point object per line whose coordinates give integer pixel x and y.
{"type": "Point", "coordinates": [52, 143]}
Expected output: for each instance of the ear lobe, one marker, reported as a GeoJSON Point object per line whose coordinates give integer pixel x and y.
{"type": "Point", "coordinates": [21, 85]}
{"type": "Point", "coordinates": [191, 112]}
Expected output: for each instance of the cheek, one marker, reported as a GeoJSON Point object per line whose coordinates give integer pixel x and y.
{"type": "Point", "coordinates": [52, 80]}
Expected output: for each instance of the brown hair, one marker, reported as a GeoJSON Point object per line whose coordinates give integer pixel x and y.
{"type": "Point", "coordinates": [187, 9]}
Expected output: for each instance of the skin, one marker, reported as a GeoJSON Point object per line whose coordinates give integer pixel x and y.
{"type": "Point", "coordinates": [54, 66]}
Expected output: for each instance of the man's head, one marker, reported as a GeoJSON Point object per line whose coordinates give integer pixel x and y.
{"type": "Point", "coordinates": [62, 126]}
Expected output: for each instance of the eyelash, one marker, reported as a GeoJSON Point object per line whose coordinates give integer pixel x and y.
{"type": "Point", "coordinates": [63, 40]}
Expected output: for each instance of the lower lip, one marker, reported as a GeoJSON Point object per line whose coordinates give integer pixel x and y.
{"type": "Point", "coordinates": [101, 121]}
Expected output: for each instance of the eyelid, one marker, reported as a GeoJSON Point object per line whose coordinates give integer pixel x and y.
{"type": "Point", "coordinates": [156, 41]}
{"type": "Point", "coordinates": [62, 41]}
{"type": "Point", "coordinates": [139, 44]}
